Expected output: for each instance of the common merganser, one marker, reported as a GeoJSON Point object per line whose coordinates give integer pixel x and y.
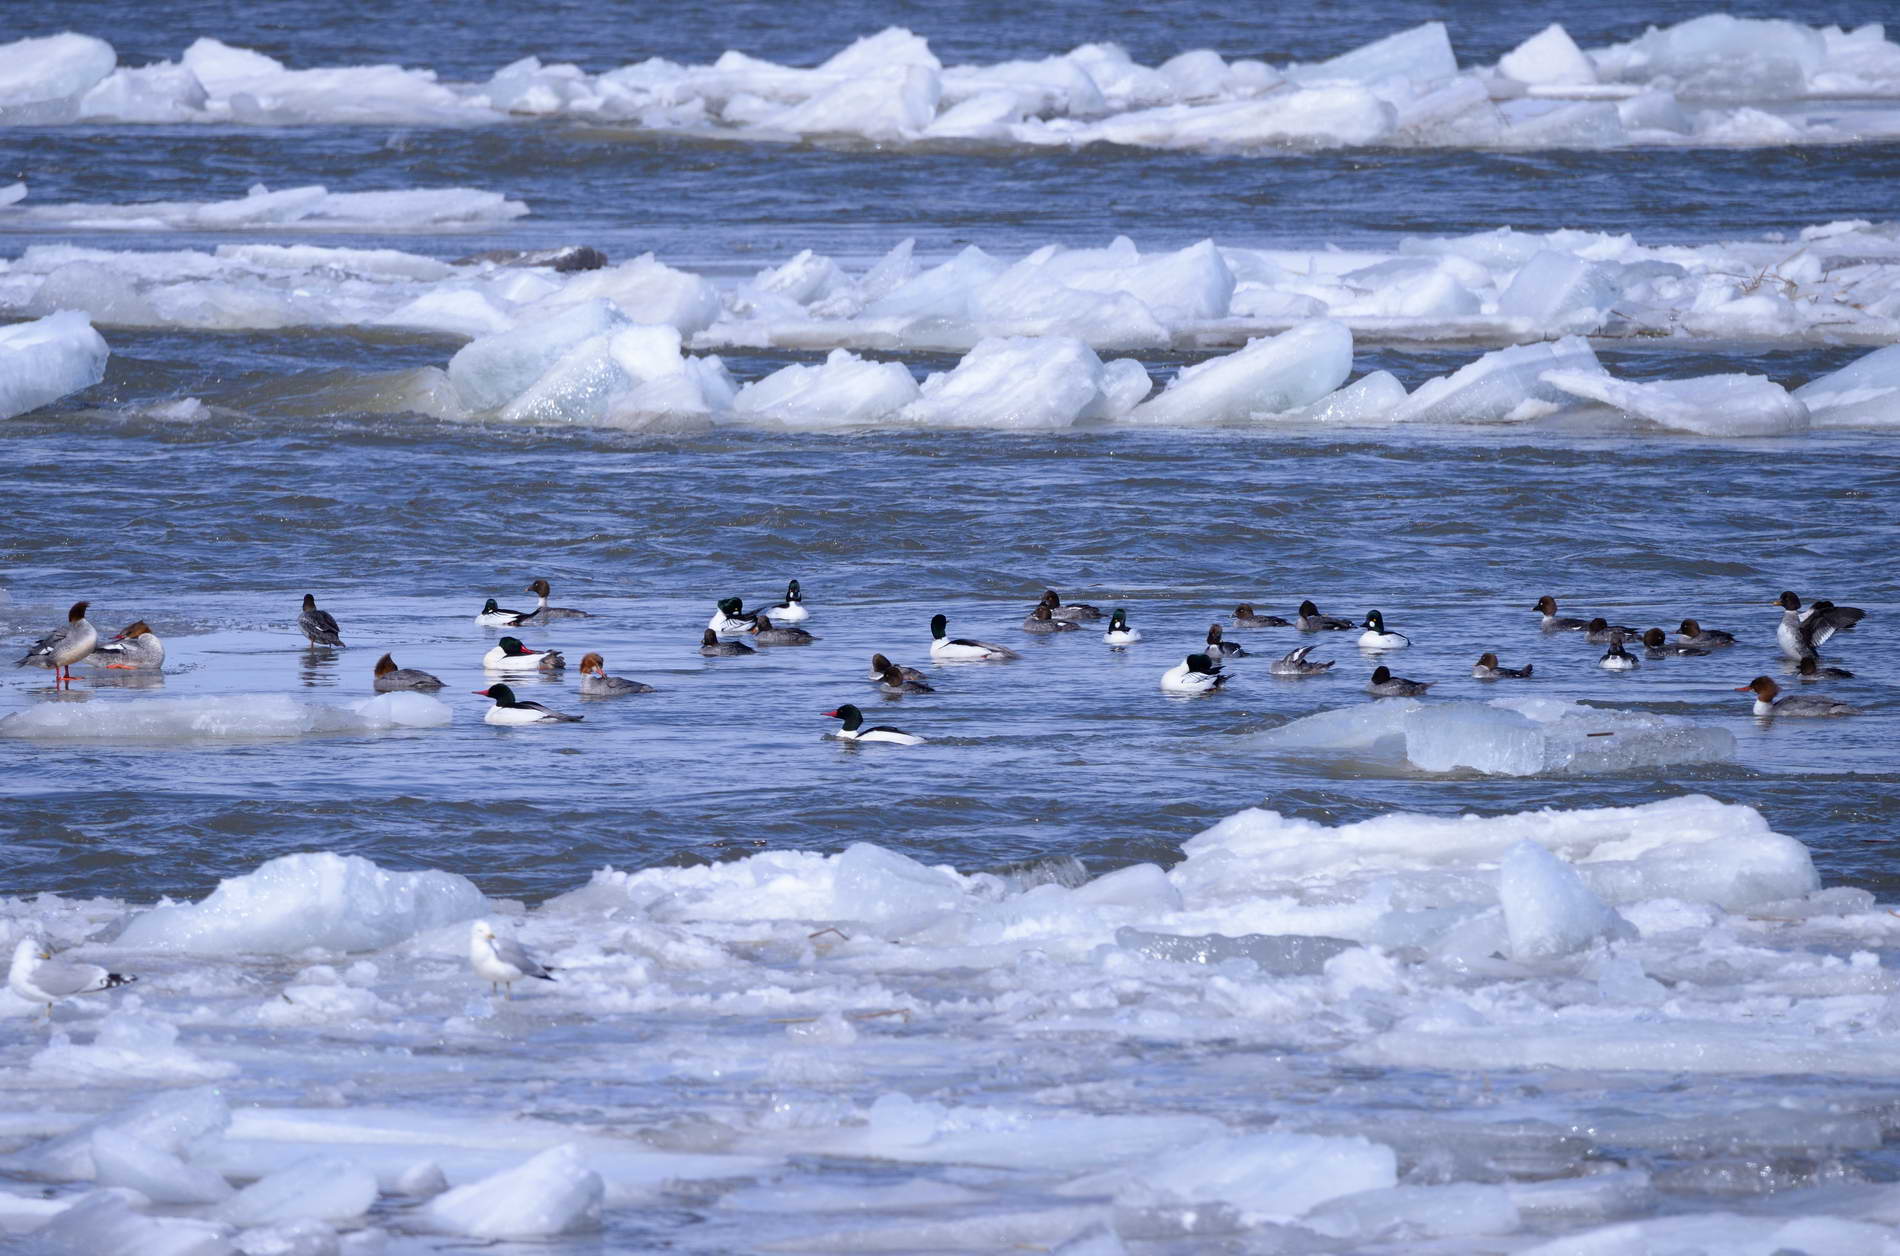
{"type": "Point", "coordinates": [1766, 703]}
{"type": "Point", "coordinates": [894, 681]}
{"type": "Point", "coordinates": [792, 609]}
{"type": "Point", "coordinates": [1657, 647]}
{"type": "Point", "coordinates": [493, 615]}
{"type": "Point", "coordinates": [64, 646]}
{"type": "Point", "coordinates": [1294, 663]}
{"type": "Point", "coordinates": [1692, 633]}
{"type": "Point", "coordinates": [509, 655]}
{"type": "Point", "coordinates": [501, 961]}
{"type": "Point", "coordinates": [1244, 617]}
{"type": "Point", "coordinates": [1197, 673]}
{"type": "Point", "coordinates": [1553, 622]}
{"type": "Point", "coordinates": [1616, 658]}
{"type": "Point", "coordinates": [596, 683]}
{"type": "Point", "coordinates": [390, 678]}
{"type": "Point", "coordinates": [731, 618]}
{"type": "Point", "coordinates": [1599, 631]}
{"type": "Point", "coordinates": [542, 612]}
{"type": "Point", "coordinates": [39, 978]}
{"type": "Point", "coordinates": [1488, 668]}
{"type": "Point", "coordinates": [1375, 637]}
{"type": "Point", "coordinates": [713, 648]}
{"type": "Point", "coordinates": [1119, 633]}
{"type": "Point", "coordinates": [956, 649]}
{"type": "Point", "coordinates": [853, 729]}
{"type": "Point", "coordinates": [509, 709]}
{"type": "Point", "coordinates": [1040, 620]}
{"type": "Point", "coordinates": [1072, 612]}
{"type": "Point", "coordinates": [1811, 669]}
{"type": "Point", "coordinates": [880, 665]}
{"type": "Point", "coordinates": [1801, 635]}
{"type": "Point", "coordinates": [1311, 620]}
{"type": "Point", "coordinates": [319, 626]}
{"type": "Point", "coordinates": [135, 648]}
{"type": "Point", "coordinates": [766, 633]}
{"type": "Point", "coordinates": [1385, 685]}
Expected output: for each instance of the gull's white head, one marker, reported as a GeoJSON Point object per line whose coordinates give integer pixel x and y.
{"type": "Point", "coordinates": [482, 931]}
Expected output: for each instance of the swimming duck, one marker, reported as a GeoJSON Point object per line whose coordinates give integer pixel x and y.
{"type": "Point", "coordinates": [1616, 658]}
{"type": "Point", "coordinates": [1375, 637]}
{"type": "Point", "coordinates": [509, 655]}
{"type": "Point", "coordinates": [894, 681]}
{"type": "Point", "coordinates": [1599, 631]}
{"type": "Point", "coordinates": [1197, 673]}
{"type": "Point", "coordinates": [954, 649]}
{"type": "Point", "coordinates": [596, 683]}
{"type": "Point", "coordinates": [134, 648]}
{"type": "Point", "coordinates": [1812, 669]}
{"type": "Point", "coordinates": [880, 665]}
{"type": "Point", "coordinates": [1385, 685]}
{"type": "Point", "coordinates": [1657, 647]}
{"type": "Point", "coordinates": [765, 632]}
{"type": "Point", "coordinates": [1219, 648]}
{"type": "Point", "coordinates": [1119, 633]}
{"type": "Point", "coordinates": [792, 609]}
{"type": "Point", "coordinates": [713, 648]}
{"type": "Point", "coordinates": [511, 710]}
{"type": "Point", "coordinates": [1294, 663]}
{"type": "Point", "coordinates": [1067, 611]}
{"type": "Point", "coordinates": [319, 626]}
{"type": "Point", "coordinates": [1553, 622]}
{"type": "Point", "coordinates": [392, 679]}
{"type": "Point", "coordinates": [1692, 633]}
{"type": "Point", "coordinates": [731, 618]}
{"type": "Point", "coordinates": [853, 729]}
{"type": "Point", "coordinates": [493, 615]}
{"type": "Point", "coordinates": [542, 612]}
{"type": "Point", "coordinates": [1488, 668]}
{"type": "Point", "coordinates": [1042, 621]}
{"type": "Point", "coordinates": [1800, 635]}
{"type": "Point", "coordinates": [39, 978]}
{"type": "Point", "coordinates": [1244, 617]}
{"type": "Point", "coordinates": [1311, 620]}
{"type": "Point", "coordinates": [1766, 703]}
{"type": "Point", "coordinates": [501, 961]}
{"type": "Point", "coordinates": [64, 646]}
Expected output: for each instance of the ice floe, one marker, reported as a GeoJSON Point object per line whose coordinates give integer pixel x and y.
{"type": "Point", "coordinates": [47, 359]}
{"type": "Point", "coordinates": [313, 208]}
{"type": "Point", "coordinates": [232, 716]}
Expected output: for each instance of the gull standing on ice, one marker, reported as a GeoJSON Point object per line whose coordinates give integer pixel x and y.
{"type": "Point", "coordinates": [501, 961]}
{"type": "Point", "coordinates": [64, 646]}
{"type": "Point", "coordinates": [39, 978]}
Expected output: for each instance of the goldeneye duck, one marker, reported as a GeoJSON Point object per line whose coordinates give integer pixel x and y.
{"type": "Point", "coordinates": [1801, 634]}
{"type": "Point", "coordinates": [765, 632]}
{"type": "Point", "coordinates": [319, 626]}
{"type": "Point", "coordinates": [1812, 669]}
{"type": "Point", "coordinates": [510, 710]}
{"type": "Point", "coordinates": [1375, 637]}
{"type": "Point", "coordinates": [493, 615]}
{"type": "Point", "coordinates": [880, 665]}
{"type": "Point", "coordinates": [1599, 631]}
{"type": "Point", "coordinates": [596, 683]}
{"type": "Point", "coordinates": [853, 729]}
{"type": "Point", "coordinates": [1692, 633]}
{"type": "Point", "coordinates": [1197, 673]}
{"type": "Point", "coordinates": [1312, 621]}
{"type": "Point", "coordinates": [393, 679]}
{"type": "Point", "coordinates": [1657, 647]}
{"type": "Point", "coordinates": [1070, 612]}
{"type": "Point", "coordinates": [1385, 685]}
{"type": "Point", "coordinates": [792, 609]}
{"type": "Point", "coordinates": [1119, 633]}
{"type": "Point", "coordinates": [1616, 658]}
{"type": "Point", "coordinates": [509, 655]}
{"type": "Point", "coordinates": [713, 648]}
{"type": "Point", "coordinates": [1487, 668]}
{"type": "Point", "coordinates": [1766, 703]}
{"type": "Point", "coordinates": [1042, 621]}
{"type": "Point", "coordinates": [135, 648]}
{"type": "Point", "coordinates": [1553, 622]}
{"type": "Point", "coordinates": [955, 649]}
{"type": "Point", "coordinates": [731, 618]}
{"type": "Point", "coordinates": [1244, 617]}
{"type": "Point", "coordinates": [542, 612]}
{"type": "Point", "coordinates": [1295, 663]}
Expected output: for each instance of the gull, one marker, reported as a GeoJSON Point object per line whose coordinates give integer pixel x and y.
{"type": "Point", "coordinates": [39, 978]}
{"type": "Point", "coordinates": [501, 961]}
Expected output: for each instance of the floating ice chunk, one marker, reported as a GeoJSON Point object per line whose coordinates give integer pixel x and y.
{"type": "Point", "coordinates": [886, 103]}
{"type": "Point", "coordinates": [1193, 285]}
{"type": "Point", "coordinates": [494, 370]}
{"type": "Point", "coordinates": [1284, 955]}
{"type": "Point", "coordinates": [1711, 405]}
{"type": "Point", "coordinates": [1864, 393]}
{"type": "Point", "coordinates": [1410, 1213]}
{"type": "Point", "coordinates": [894, 45]}
{"type": "Point", "coordinates": [1017, 383]}
{"type": "Point", "coordinates": [1449, 736]}
{"type": "Point", "coordinates": [131, 1048]}
{"type": "Point", "coordinates": [47, 359]}
{"type": "Point", "coordinates": [1721, 58]}
{"type": "Point", "coordinates": [1549, 56]}
{"type": "Point", "coordinates": [158, 93]}
{"type": "Point", "coordinates": [333, 902]}
{"type": "Point", "coordinates": [1271, 1176]}
{"type": "Point", "coordinates": [1548, 910]}
{"type": "Point", "coordinates": [458, 311]}
{"type": "Point", "coordinates": [175, 1122]}
{"type": "Point", "coordinates": [1499, 387]}
{"type": "Point", "coordinates": [105, 1223]}
{"type": "Point", "coordinates": [404, 710]}
{"type": "Point", "coordinates": [1655, 110]}
{"type": "Point", "coordinates": [104, 294]}
{"type": "Point", "coordinates": [253, 715]}
{"type": "Point", "coordinates": [943, 291]}
{"type": "Point", "coordinates": [1369, 399]}
{"type": "Point", "coordinates": [1557, 124]}
{"type": "Point", "coordinates": [318, 1189]}
{"type": "Point", "coordinates": [844, 391]}
{"type": "Point", "coordinates": [1422, 53]}
{"type": "Point", "coordinates": [645, 289]}
{"type": "Point", "coordinates": [1291, 370]}
{"type": "Point", "coordinates": [41, 80]}
{"type": "Point", "coordinates": [154, 1172]}
{"type": "Point", "coordinates": [1559, 292]}
{"type": "Point", "coordinates": [554, 1193]}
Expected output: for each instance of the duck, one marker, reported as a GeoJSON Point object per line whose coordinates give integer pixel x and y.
{"type": "Point", "coordinates": [713, 648]}
{"type": "Point", "coordinates": [135, 648]}
{"type": "Point", "coordinates": [494, 615]}
{"type": "Point", "coordinates": [509, 709]}
{"type": "Point", "coordinates": [1220, 649]}
{"type": "Point", "coordinates": [1599, 631]}
{"type": "Point", "coordinates": [1042, 621]}
{"type": "Point", "coordinates": [1616, 658]}
{"type": "Point", "coordinates": [502, 961]}
{"type": "Point", "coordinates": [962, 649]}
{"type": "Point", "coordinates": [1813, 669]}
{"type": "Point", "coordinates": [1375, 637]}
{"type": "Point", "coordinates": [1197, 673]}
{"type": "Point", "coordinates": [1311, 620]}
{"type": "Point", "coordinates": [1385, 685]}
{"type": "Point", "coordinates": [1488, 668]}
{"type": "Point", "coordinates": [853, 729]}
{"type": "Point", "coordinates": [1069, 612]}
{"type": "Point", "coordinates": [792, 609]}
{"type": "Point", "coordinates": [393, 679]}
{"type": "Point", "coordinates": [1295, 663]}
{"type": "Point", "coordinates": [765, 632]}
{"type": "Point", "coordinates": [1553, 622]}
{"type": "Point", "coordinates": [1692, 633]}
{"type": "Point", "coordinates": [64, 646]}
{"type": "Point", "coordinates": [1766, 703]}
{"type": "Point", "coordinates": [319, 626]}
{"type": "Point", "coordinates": [1801, 635]}
{"type": "Point", "coordinates": [39, 978]}
{"type": "Point", "coordinates": [1244, 617]}
{"type": "Point", "coordinates": [509, 655]}
{"type": "Point", "coordinates": [880, 665]}
{"type": "Point", "coordinates": [596, 683]}
{"type": "Point", "coordinates": [1119, 633]}
{"type": "Point", "coordinates": [894, 681]}
{"type": "Point", "coordinates": [1658, 647]}
{"type": "Point", "coordinates": [731, 618]}
{"type": "Point", "coordinates": [542, 612]}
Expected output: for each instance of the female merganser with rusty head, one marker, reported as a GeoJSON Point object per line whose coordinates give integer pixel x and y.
{"type": "Point", "coordinates": [1766, 703]}
{"type": "Point", "coordinates": [509, 655]}
{"type": "Point", "coordinates": [1311, 620]}
{"type": "Point", "coordinates": [543, 613]}
{"type": "Point", "coordinates": [510, 710]}
{"type": "Point", "coordinates": [494, 615]}
{"type": "Point", "coordinates": [713, 648]}
{"type": "Point", "coordinates": [853, 729]}
{"type": "Point", "coordinates": [731, 618]}
{"type": "Point", "coordinates": [962, 649]}
{"type": "Point", "coordinates": [792, 609]}
{"type": "Point", "coordinates": [1692, 633]}
{"type": "Point", "coordinates": [1375, 637]}
{"type": "Point", "coordinates": [393, 679]}
{"type": "Point", "coordinates": [1385, 685]}
{"type": "Point", "coordinates": [880, 665]}
{"type": "Point", "coordinates": [1657, 647]}
{"type": "Point", "coordinates": [135, 648]}
{"type": "Point", "coordinates": [1071, 612]}
{"type": "Point", "coordinates": [596, 683]}
{"type": "Point", "coordinates": [1197, 673]}
{"type": "Point", "coordinates": [1801, 634]}
{"type": "Point", "coordinates": [1041, 621]}
{"type": "Point", "coordinates": [1119, 633]}
{"type": "Point", "coordinates": [1616, 658]}
{"type": "Point", "coordinates": [1244, 617]}
{"type": "Point", "coordinates": [1294, 663]}
{"type": "Point", "coordinates": [319, 626]}
{"type": "Point", "coordinates": [1488, 668]}
{"type": "Point", "coordinates": [64, 646]}
{"type": "Point", "coordinates": [1553, 622]}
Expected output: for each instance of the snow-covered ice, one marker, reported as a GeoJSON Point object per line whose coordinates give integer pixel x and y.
{"type": "Point", "coordinates": [47, 359]}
